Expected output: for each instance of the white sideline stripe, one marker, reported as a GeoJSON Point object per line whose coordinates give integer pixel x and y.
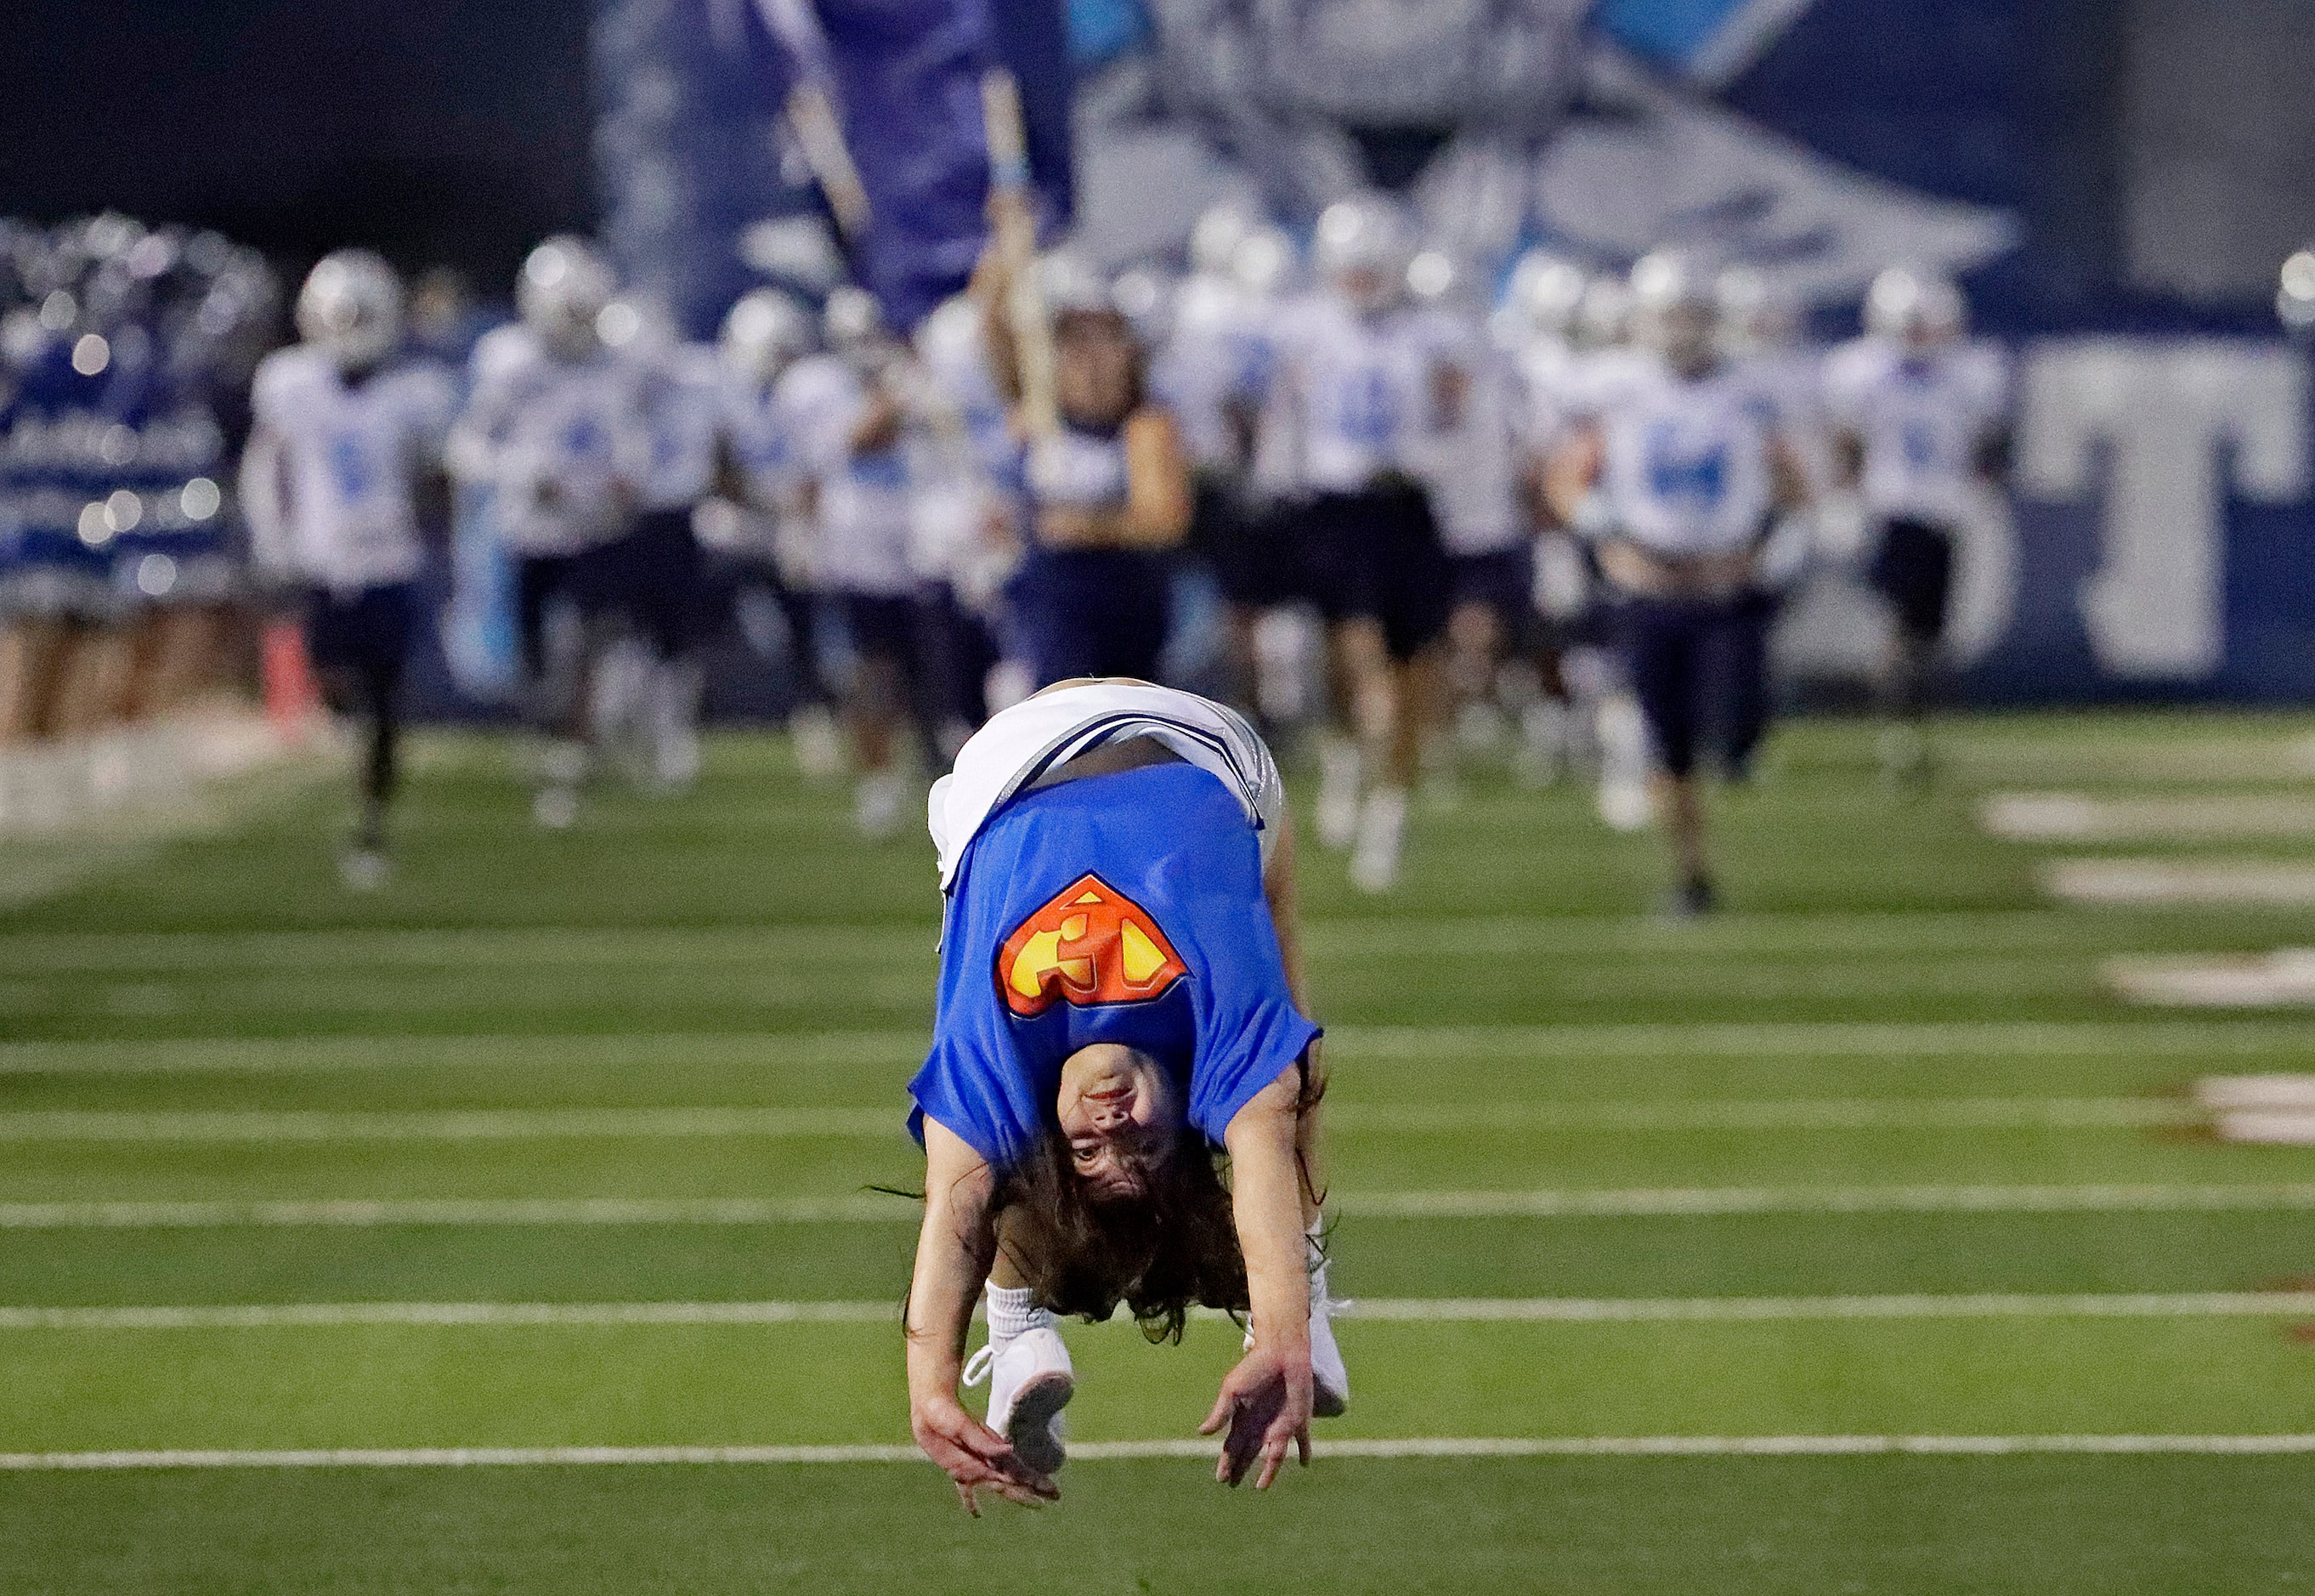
{"type": "Point", "coordinates": [2282, 979]}
{"type": "Point", "coordinates": [1838, 1113]}
{"type": "Point", "coordinates": [1112, 1451]}
{"type": "Point", "coordinates": [1563, 1310]}
{"type": "Point", "coordinates": [1834, 1039]}
{"type": "Point", "coordinates": [356, 1212]}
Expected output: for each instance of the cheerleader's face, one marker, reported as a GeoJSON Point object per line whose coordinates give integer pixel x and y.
{"type": "Point", "coordinates": [1122, 1113]}
{"type": "Point", "coordinates": [1095, 360]}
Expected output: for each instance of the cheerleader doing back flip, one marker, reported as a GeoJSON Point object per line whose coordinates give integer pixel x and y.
{"type": "Point", "coordinates": [1118, 1027]}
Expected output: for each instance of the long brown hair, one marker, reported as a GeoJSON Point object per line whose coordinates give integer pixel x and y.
{"type": "Point", "coordinates": [1171, 1249]}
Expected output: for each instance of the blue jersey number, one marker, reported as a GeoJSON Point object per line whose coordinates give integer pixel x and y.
{"type": "Point", "coordinates": [1678, 475]}
{"type": "Point", "coordinates": [1921, 444]}
{"type": "Point", "coordinates": [1366, 408]}
{"type": "Point", "coordinates": [350, 463]}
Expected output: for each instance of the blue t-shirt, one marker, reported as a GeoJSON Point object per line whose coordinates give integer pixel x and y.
{"type": "Point", "coordinates": [1124, 909]}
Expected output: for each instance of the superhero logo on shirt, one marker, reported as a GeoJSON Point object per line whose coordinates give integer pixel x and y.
{"type": "Point", "coordinates": [1091, 944]}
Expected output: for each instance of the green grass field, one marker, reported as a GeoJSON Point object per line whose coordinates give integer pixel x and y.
{"type": "Point", "coordinates": [1859, 1240]}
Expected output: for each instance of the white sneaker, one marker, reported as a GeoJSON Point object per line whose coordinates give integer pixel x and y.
{"type": "Point", "coordinates": [819, 746]}
{"type": "Point", "coordinates": [555, 808]}
{"type": "Point", "coordinates": [877, 804]}
{"type": "Point", "coordinates": [1381, 830]}
{"type": "Point", "coordinates": [1338, 793]}
{"type": "Point", "coordinates": [1030, 1381]}
{"type": "Point", "coordinates": [363, 869]}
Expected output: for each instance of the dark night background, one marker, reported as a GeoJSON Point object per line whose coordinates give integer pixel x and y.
{"type": "Point", "coordinates": [437, 130]}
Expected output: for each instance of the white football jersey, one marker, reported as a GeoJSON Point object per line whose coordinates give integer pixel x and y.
{"type": "Point", "coordinates": [1020, 746]}
{"type": "Point", "coordinates": [681, 396]}
{"type": "Point", "coordinates": [1688, 462]}
{"type": "Point", "coordinates": [1361, 387]}
{"type": "Point", "coordinates": [561, 443]}
{"type": "Point", "coordinates": [1472, 469]}
{"type": "Point", "coordinates": [1921, 417]}
{"type": "Point", "coordinates": [1213, 357]}
{"type": "Point", "coordinates": [350, 457]}
{"type": "Point", "coordinates": [863, 509]}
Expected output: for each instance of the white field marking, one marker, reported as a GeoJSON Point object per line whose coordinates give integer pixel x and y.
{"type": "Point", "coordinates": [1115, 1451]}
{"type": "Point", "coordinates": [2285, 977]}
{"type": "Point", "coordinates": [2076, 817]}
{"type": "Point", "coordinates": [1834, 1039]}
{"type": "Point", "coordinates": [1831, 1114]}
{"type": "Point", "coordinates": [2182, 882]}
{"type": "Point", "coordinates": [1607, 1202]}
{"type": "Point", "coordinates": [2267, 1128]}
{"type": "Point", "coordinates": [1558, 1310]}
{"type": "Point", "coordinates": [851, 944]}
{"type": "Point", "coordinates": [2283, 1093]}
{"type": "Point", "coordinates": [295, 1055]}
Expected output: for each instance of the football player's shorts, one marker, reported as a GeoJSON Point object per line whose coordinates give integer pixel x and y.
{"type": "Point", "coordinates": [1375, 555]}
{"type": "Point", "coordinates": [1502, 582]}
{"type": "Point", "coordinates": [1913, 570]}
{"type": "Point", "coordinates": [364, 632]}
{"type": "Point", "coordinates": [1255, 551]}
{"type": "Point", "coordinates": [1695, 664]}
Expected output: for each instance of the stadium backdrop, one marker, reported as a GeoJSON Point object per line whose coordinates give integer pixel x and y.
{"type": "Point", "coordinates": [2159, 542]}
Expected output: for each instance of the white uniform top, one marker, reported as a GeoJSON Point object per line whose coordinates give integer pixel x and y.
{"type": "Point", "coordinates": [556, 440]}
{"type": "Point", "coordinates": [1361, 387]}
{"type": "Point", "coordinates": [1472, 469]}
{"type": "Point", "coordinates": [350, 456]}
{"type": "Point", "coordinates": [1020, 746]}
{"type": "Point", "coordinates": [1922, 418]}
{"type": "Point", "coordinates": [682, 398]}
{"type": "Point", "coordinates": [750, 424]}
{"type": "Point", "coordinates": [1214, 356]}
{"type": "Point", "coordinates": [863, 510]}
{"type": "Point", "coordinates": [1688, 463]}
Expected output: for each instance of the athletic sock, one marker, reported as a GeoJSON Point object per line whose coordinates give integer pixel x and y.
{"type": "Point", "coordinates": [1013, 1311]}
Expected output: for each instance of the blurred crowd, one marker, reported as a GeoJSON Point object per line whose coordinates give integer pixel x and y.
{"type": "Point", "coordinates": [1336, 480]}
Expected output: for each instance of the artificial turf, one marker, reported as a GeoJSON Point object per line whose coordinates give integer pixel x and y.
{"type": "Point", "coordinates": [739, 949]}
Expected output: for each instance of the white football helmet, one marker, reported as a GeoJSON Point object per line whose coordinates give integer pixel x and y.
{"type": "Point", "coordinates": [565, 287]}
{"type": "Point", "coordinates": [350, 307]}
{"type": "Point", "coordinates": [765, 333]}
{"type": "Point", "coordinates": [2294, 293]}
{"type": "Point", "coordinates": [1604, 320]}
{"type": "Point", "coordinates": [1362, 250]}
{"type": "Point", "coordinates": [1263, 263]}
{"type": "Point", "coordinates": [852, 324]}
{"type": "Point", "coordinates": [1757, 312]}
{"type": "Point", "coordinates": [1915, 306]}
{"type": "Point", "coordinates": [1545, 294]}
{"type": "Point", "coordinates": [1071, 286]}
{"type": "Point", "coordinates": [1214, 241]}
{"type": "Point", "coordinates": [1674, 312]}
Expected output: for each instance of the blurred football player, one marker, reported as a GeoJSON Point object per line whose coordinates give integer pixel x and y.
{"type": "Point", "coordinates": [1207, 376]}
{"type": "Point", "coordinates": [1119, 1011]}
{"type": "Point", "coordinates": [654, 568]}
{"type": "Point", "coordinates": [1108, 494]}
{"type": "Point", "coordinates": [1470, 466]}
{"type": "Point", "coordinates": [1365, 378]}
{"type": "Point", "coordinates": [342, 470]}
{"type": "Point", "coordinates": [845, 413]}
{"type": "Point", "coordinates": [1676, 477]}
{"type": "Point", "coordinates": [1920, 413]}
{"type": "Point", "coordinates": [555, 425]}
{"type": "Point", "coordinates": [758, 542]}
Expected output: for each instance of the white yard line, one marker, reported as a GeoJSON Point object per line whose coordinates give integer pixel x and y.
{"type": "Point", "coordinates": [1836, 1039]}
{"type": "Point", "coordinates": [2078, 816]}
{"type": "Point", "coordinates": [2284, 978]}
{"type": "Point", "coordinates": [2203, 883]}
{"type": "Point", "coordinates": [1112, 1451]}
{"type": "Point", "coordinates": [1832, 1114]}
{"type": "Point", "coordinates": [1540, 1310]}
{"type": "Point", "coordinates": [1565, 1203]}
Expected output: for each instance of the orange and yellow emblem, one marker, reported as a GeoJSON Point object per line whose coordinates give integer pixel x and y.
{"type": "Point", "coordinates": [1090, 944]}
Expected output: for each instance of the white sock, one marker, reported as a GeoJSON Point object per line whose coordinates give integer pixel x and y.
{"type": "Point", "coordinates": [1012, 1311]}
{"type": "Point", "coordinates": [1314, 1256]}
